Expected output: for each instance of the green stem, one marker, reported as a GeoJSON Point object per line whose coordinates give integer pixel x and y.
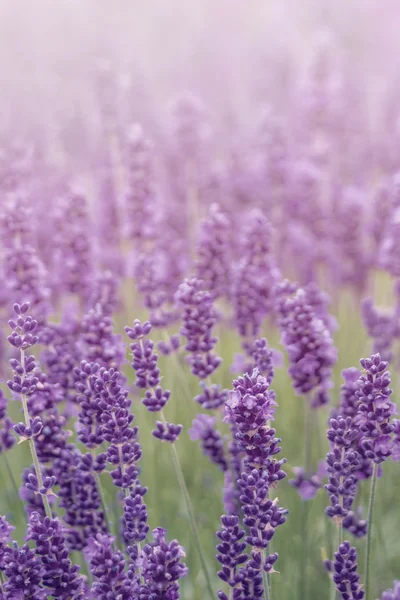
{"type": "Point", "coordinates": [12, 478]}
{"type": "Point", "coordinates": [103, 501]}
{"type": "Point", "coordinates": [339, 541]}
{"type": "Point", "coordinates": [32, 447]}
{"type": "Point", "coordinates": [308, 422]}
{"type": "Point", "coordinates": [190, 511]}
{"type": "Point", "coordinates": [267, 589]}
{"type": "Point", "coordinates": [369, 534]}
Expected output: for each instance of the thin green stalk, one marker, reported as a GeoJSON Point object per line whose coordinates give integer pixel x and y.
{"type": "Point", "coordinates": [308, 422]}
{"type": "Point", "coordinates": [339, 539]}
{"type": "Point", "coordinates": [103, 501]}
{"type": "Point", "coordinates": [32, 447]}
{"type": "Point", "coordinates": [267, 589]}
{"type": "Point", "coordinates": [14, 483]}
{"type": "Point", "coordinates": [190, 511]}
{"type": "Point", "coordinates": [369, 534]}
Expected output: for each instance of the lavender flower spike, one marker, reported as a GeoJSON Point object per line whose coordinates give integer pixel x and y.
{"type": "Point", "coordinates": [344, 573]}
{"type": "Point", "coordinates": [375, 409]}
{"type": "Point", "coordinates": [342, 462]}
{"type": "Point", "coordinates": [60, 576]}
{"type": "Point", "coordinates": [162, 568]}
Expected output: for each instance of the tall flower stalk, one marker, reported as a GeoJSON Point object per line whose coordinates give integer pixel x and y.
{"type": "Point", "coordinates": [24, 383]}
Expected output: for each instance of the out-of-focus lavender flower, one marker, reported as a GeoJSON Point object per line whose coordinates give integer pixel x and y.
{"type": "Point", "coordinates": [212, 263]}
{"type": "Point", "coordinates": [212, 444]}
{"type": "Point", "coordinates": [60, 576]}
{"type": "Point", "coordinates": [79, 497]}
{"type": "Point", "coordinates": [23, 570]}
{"type": "Point", "coordinates": [308, 342]}
{"type": "Point", "coordinates": [254, 277]}
{"type": "Point", "coordinates": [61, 354]}
{"type": "Point", "coordinates": [199, 318]}
{"type": "Point", "coordinates": [107, 566]}
{"type": "Point", "coordinates": [342, 461]}
{"type": "Point", "coordinates": [320, 301]}
{"type": "Point", "coordinates": [23, 272]}
{"type": "Point", "coordinates": [344, 573]}
{"type": "Point", "coordinates": [308, 485]}
{"type": "Point", "coordinates": [355, 524]}
{"type": "Point", "coordinates": [352, 260]}
{"type": "Point", "coordinates": [73, 260]}
{"type": "Point", "coordinates": [168, 347]}
{"type": "Point", "coordinates": [390, 249]}
{"type": "Point", "coordinates": [375, 409]}
{"type": "Point", "coordinates": [7, 440]}
{"type": "Point", "coordinates": [162, 567]}
{"type": "Point", "coordinates": [104, 291]}
{"type": "Point", "coordinates": [382, 326]}
{"type": "Point", "coordinates": [5, 538]}
{"type": "Point", "coordinates": [140, 195]}
{"type": "Point", "coordinates": [393, 594]}
{"type": "Point", "coordinates": [396, 439]}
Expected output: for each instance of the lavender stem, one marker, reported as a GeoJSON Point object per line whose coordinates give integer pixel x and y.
{"type": "Point", "coordinates": [369, 535]}
{"type": "Point", "coordinates": [32, 447]}
{"type": "Point", "coordinates": [267, 590]}
{"type": "Point", "coordinates": [189, 508]}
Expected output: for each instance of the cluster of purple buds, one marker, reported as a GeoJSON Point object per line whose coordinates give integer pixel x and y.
{"type": "Point", "coordinates": [135, 516]}
{"type": "Point", "coordinates": [250, 406]}
{"type": "Point", "coordinates": [26, 432]}
{"type": "Point", "coordinates": [105, 417]}
{"type": "Point", "coordinates": [231, 552]}
{"type": "Point", "coordinates": [375, 409]}
{"type": "Point", "coordinates": [60, 576]}
{"type": "Point", "coordinates": [342, 462]}
{"type": "Point", "coordinates": [24, 571]}
{"type": "Point", "coordinates": [148, 377]}
{"type": "Point", "coordinates": [79, 497]}
{"type": "Point", "coordinates": [261, 515]}
{"type": "Point", "coordinates": [107, 567]}
{"type": "Point", "coordinates": [344, 573]}
{"type": "Point", "coordinates": [162, 568]}
{"type": "Point", "coordinates": [33, 485]}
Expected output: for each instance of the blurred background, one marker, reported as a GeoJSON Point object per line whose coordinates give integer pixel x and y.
{"type": "Point", "coordinates": [73, 70]}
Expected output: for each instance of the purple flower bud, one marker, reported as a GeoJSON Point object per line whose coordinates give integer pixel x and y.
{"type": "Point", "coordinates": [168, 432]}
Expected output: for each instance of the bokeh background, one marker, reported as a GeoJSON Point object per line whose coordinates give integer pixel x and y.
{"type": "Point", "coordinates": [236, 56]}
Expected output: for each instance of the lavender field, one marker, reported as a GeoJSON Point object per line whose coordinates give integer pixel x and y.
{"type": "Point", "coordinates": [200, 300]}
